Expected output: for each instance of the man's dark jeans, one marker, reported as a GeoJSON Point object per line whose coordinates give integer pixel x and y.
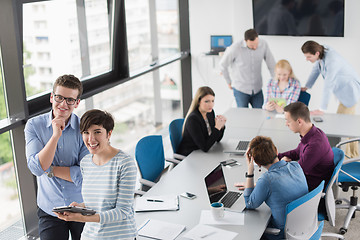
{"type": "Point", "coordinates": [53, 228]}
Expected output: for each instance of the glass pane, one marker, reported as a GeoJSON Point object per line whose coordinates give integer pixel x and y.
{"type": "Point", "coordinates": [3, 111]}
{"type": "Point", "coordinates": [97, 20]}
{"type": "Point", "coordinates": [132, 105]}
{"type": "Point", "coordinates": [167, 15]}
{"type": "Point", "coordinates": [10, 217]}
{"type": "Point", "coordinates": [138, 33]}
{"type": "Point", "coordinates": [54, 44]}
{"type": "Point", "coordinates": [170, 77]}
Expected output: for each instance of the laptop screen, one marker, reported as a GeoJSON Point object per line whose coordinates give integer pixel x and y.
{"type": "Point", "coordinates": [215, 184]}
{"type": "Point", "coordinates": [220, 42]}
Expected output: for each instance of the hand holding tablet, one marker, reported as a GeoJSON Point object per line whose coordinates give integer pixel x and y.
{"type": "Point", "coordinates": [83, 211]}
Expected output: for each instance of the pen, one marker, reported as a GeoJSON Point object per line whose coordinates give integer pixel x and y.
{"type": "Point", "coordinates": [154, 200]}
{"type": "Point", "coordinates": [208, 234]}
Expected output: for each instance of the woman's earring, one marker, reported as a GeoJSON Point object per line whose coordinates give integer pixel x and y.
{"type": "Point", "coordinates": [260, 169]}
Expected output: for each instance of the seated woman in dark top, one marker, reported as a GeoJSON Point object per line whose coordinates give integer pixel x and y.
{"type": "Point", "coordinates": [201, 128]}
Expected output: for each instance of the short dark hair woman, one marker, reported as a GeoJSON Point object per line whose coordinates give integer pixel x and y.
{"type": "Point", "coordinates": [281, 184]}
{"type": "Point", "coordinates": [109, 177]}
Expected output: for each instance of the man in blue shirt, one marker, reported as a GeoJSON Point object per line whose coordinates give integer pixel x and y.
{"type": "Point", "coordinates": [54, 148]}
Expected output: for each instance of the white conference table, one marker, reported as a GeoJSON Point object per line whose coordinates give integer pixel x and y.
{"type": "Point", "coordinates": [189, 176]}
{"type": "Point", "coordinates": [242, 124]}
{"type": "Point", "coordinates": [333, 125]}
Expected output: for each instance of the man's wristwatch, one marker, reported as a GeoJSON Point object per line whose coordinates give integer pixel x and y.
{"type": "Point", "coordinates": [249, 175]}
{"type": "Point", "coordinates": [51, 173]}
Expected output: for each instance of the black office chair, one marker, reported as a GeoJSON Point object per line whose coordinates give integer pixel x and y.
{"type": "Point", "coordinates": [349, 177]}
{"type": "Point", "coordinates": [304, 97]}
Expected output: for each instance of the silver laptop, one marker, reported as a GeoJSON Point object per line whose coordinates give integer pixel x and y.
{"type": "Point", "coordinates": [240, 148]}
{"type": "Point", "coordinates": [217, 191]}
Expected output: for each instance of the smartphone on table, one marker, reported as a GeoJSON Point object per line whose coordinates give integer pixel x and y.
{"type": "Point", "coordinates": [188, 195]}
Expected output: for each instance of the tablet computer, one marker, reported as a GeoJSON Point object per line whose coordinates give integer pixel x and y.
{"type": "Point", "coordinates": [83, 211]}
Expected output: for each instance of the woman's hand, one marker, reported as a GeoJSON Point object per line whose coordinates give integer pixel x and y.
{"type": "Point", "coordinates": [279, 109]}
{"type": "Point", "coordinates": [220, 121]}
{"type": "Point", "coordinates": [317, 112]}
{"type": "Point", "coordinates": [249, 161]}
{"type": "Point", "coordinates": [270, 106]}
{"type": "Point", "coordinates": [240, 186]}
{"type": "Point", "coordinates": [70, 216]}
{"type": "Point", "coordinates": [75, 204]}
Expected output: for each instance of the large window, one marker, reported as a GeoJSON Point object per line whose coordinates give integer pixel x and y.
{"type": "Point", "coordinates": [61, 37]}
{"type": "Point", "coordinates": [110, 45]}
{"type": "Point", "coordinates": [167, 15]}
{"type": "Point", "coordinates": [11, 214]}
{"type": "Point", "coordinates": [138, 33]}
{"type": "Point", "coordinates": [3, 113]}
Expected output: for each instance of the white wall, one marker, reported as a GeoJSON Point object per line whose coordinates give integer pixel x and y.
{"type": "Point", "coordinates": [234, 17]}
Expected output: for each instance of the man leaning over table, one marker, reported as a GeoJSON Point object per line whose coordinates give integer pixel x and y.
{"type": "Point", "coordinates": [54, 148]}
{"type": "Point", "coordinates": [314, 152]}
{"type": "Point", "coordinates": [241, 68]}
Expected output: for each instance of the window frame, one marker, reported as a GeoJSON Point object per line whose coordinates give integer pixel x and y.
{"type": "Point", "coordinates": [20, 109]}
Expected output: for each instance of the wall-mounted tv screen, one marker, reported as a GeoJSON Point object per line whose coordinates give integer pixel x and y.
{"type": "Point", "coordinates": [299, 17]}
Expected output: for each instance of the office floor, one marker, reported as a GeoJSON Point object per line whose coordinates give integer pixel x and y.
{"type": "Point", "coordinates": [353, 230]}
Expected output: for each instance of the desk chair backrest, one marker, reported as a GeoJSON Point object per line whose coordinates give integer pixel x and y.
{"type": "Point", "coordinates": [175, 132]}
{"type": "Point", "coordinates": [149, 155]}
{"type": "Point", "coordinates": [304, 97]}
{"type": "Point", "coordinates": [329, 194]}
{"type": "Point", "coordinates": [302, 215]}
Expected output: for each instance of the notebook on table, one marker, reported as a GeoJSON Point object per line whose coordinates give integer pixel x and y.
{"type": "Point", "coordinates": [217, 191]}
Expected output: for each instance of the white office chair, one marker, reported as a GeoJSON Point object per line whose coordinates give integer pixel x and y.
{"type": "Point", "coordinates": [328, 195]}
{"type": "Point", "coordinates": [302, 217]}
{"type": "Point", "coordinates": [349, 177]}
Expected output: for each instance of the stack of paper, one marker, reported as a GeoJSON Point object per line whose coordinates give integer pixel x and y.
{"type": "Point", "coordinates": [230, 218]}
{"type": "Point", "coordinates": [160, 230]}
{"type": "Point", "coordinates": [201, 232]}
{"type": "Point", "coordinates": [157, 203]}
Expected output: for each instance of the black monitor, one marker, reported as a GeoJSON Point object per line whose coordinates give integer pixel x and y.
{"type": "Point", "coordinates": [299, 17]}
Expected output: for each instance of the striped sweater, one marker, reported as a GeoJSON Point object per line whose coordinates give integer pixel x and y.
{"type": "Point", "coordinates": [109, 190]}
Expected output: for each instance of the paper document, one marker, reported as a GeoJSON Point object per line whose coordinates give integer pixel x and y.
{"type": "Point", "coordinates": [230, 218]}
{"type": "Point", "coordinates": [280, 115]}
{"type": "Point", "coordinates": [203, 232]}
{"type": "Point", "coordinates": [160, 230]}
{"type": "Point", "coordinates": [157, 203]}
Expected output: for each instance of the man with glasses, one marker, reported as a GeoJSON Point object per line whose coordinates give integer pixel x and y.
{"type": "Point", "coordinates": [54, 148]}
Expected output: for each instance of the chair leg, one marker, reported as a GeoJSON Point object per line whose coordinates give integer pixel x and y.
{"type": "Point", "coordinates": [353, 206]}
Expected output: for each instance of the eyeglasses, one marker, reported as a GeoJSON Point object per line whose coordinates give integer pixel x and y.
{"type": "Point", "coordinates": [60, 99]}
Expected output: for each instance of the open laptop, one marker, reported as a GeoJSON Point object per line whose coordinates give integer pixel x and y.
{"type": "Point", "coordinates": [217, 191]}
{"type": "Point", "coordinates": [240, 148]}
{"type": "Point", "coordinates": [218, 43]}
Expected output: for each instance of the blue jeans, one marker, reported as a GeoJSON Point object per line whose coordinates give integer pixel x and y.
{"type": "Point", "coordinates": [53, 228]}
{"type": "Point", "coordinates": [243, 99]}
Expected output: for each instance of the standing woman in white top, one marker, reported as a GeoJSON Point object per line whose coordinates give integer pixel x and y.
{"type": "Point", "coordinates": [109, 177]}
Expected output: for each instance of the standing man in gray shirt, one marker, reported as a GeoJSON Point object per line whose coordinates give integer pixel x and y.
{"type": "Point", "coordinates": [241, 67]}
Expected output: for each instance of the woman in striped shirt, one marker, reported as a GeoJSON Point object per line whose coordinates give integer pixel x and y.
{"type": "Point", "coordinates": [283, 89]}
{"type": "Point", "coordinates": [109, 177]}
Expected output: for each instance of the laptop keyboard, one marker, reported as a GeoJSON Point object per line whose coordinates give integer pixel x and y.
{"type": "Point", "coordinates": [230, 198]}
{"type": "Point", "coordinates": [242, 145]}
